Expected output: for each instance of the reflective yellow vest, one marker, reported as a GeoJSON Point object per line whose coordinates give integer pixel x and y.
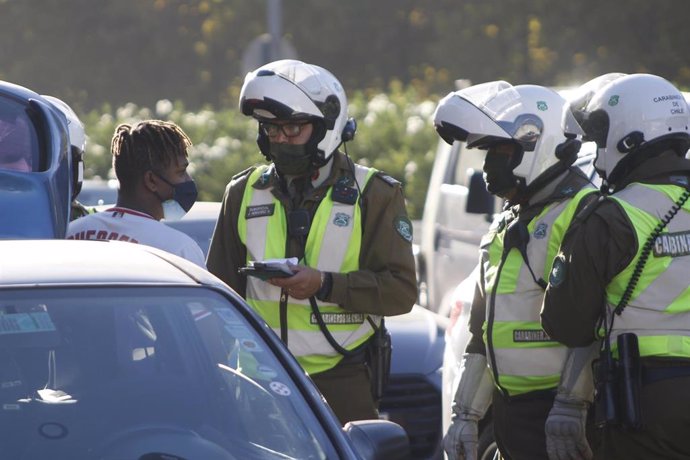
{"type": "Point", "coordinates": [659, 309]}
{"type": "Point", "coordinates": [522, 356]}
{"type": "Point", "coordinates": [333, 245]}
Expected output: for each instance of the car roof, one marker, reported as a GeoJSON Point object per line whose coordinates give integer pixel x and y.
{"type": "Point", "coordinates": [71, 262]}
{"type": "Point", "coordinates": [203, 210]}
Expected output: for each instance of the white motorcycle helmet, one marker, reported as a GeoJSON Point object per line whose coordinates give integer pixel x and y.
{"type": "Point", "coordinates": [632, 112]}
{"type": "Point", "coordinates": [536, 118]}
{"type": "Point", "coordinates": [293, 90]}
{"type": "Point", "coordinates": [581, 96]}
{"type": "Point", "coordinates": [77, 139]}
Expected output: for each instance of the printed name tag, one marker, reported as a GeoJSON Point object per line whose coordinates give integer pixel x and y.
{"type": "Point", "coordinates": [531, 335]}
{"type": "Point", "coordinates": [261, 210]}
{"type": "Point", "coordinates": [339, 318]}
{"type": "Point", "coordinates": [672, 244]}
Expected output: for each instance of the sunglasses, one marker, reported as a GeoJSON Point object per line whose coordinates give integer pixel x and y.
{"type": "Point", "coordinates": [288, 129]}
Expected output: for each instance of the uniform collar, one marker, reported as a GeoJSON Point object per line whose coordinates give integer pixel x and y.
{"type": "Point", "coordinates": [122, 210]}
{"type": "Point", "coordinates": [326, 176]}
{"type": "Point", "coordinates": [564, 186]}
{"type": "Point", "coordinates": [657, 169]}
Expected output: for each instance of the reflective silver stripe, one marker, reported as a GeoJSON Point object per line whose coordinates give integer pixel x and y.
{"type": "Point", "coordinates": [652, 322]}
{"type": "Point", "coordinates": [336, 238]}
{"type": "Point", "coordinates": [531, 363]}
{"type": "Point", "coordinates": [261, 290]}
{"type": "Point", "coordinates": [520, 306]}
{"type": "Point", "coordinates": [524, 304]}
{"type": "Point", "coordinates": [307, 343]}
{"type": "Point", "coordinates": [257, 227]}
{"type": "Point", "coordinates": [646, 314]}
{"type": "Point", "coordinates": [666, 287]}
{"type": "Point", "coordinates": [333, 251]}
{"type": "Point", "coordinates": [671, 283]}
{"type": "Point", "coordinates": [647, 199]}
{"type": "Point", "coordinates": [538, 247]}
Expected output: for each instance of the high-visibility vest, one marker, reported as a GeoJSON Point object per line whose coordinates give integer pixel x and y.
{"type": "Point", "coordinates": [659, 308]}
{"type": "Point", "coordinates": [333, 245]}
{"type": "Point", "coordinates": [522, 356]}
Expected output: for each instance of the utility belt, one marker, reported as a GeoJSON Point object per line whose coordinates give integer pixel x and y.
{"type": "Point", "coordinates": [375, 352]}
{"type": "Point", "coordinates": [618, 382]}
{"type": "Point", "coordinates": [659, 370]}
{"type": "Point", "coordinates": [536, 395]}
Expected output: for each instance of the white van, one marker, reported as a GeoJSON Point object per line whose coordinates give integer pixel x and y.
{"type": "Point", "coordinates": [452, 226]}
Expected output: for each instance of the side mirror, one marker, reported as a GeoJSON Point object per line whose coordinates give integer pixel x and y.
{"type": "Point", "coordinates": [378, 439]}
{"type": "Point", "coordinates": [479, 200]}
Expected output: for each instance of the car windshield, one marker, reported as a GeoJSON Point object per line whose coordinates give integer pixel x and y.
{"type": "Point", "coordinates": [123, 372]}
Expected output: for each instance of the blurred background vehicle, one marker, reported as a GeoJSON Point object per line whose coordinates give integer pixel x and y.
{"type": "Point", "coordinates": [95, 192]}
{"type": "Point", "coordinates": [35, 166]}
{"type": "Point", "coordinates": [412, 397]}
{"type": "Point", "coordinates": [137, 353]}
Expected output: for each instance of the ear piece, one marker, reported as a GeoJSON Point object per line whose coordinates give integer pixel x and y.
{"type": "Point", "coordinates": [263, 143]}
{"type": "Point", "coordinates": [349, 130]}
{"type": "Point", "coordinates": [630, 142]}
{"type": "Point", "coordinates": [567, 151]}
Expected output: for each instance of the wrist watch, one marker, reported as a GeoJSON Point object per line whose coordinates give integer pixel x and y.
{"type": "Point", "coordinates": [325, 288]}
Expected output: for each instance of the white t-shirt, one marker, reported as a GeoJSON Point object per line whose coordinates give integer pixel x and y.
{"type": "Point", "coordinates": [124, 224]}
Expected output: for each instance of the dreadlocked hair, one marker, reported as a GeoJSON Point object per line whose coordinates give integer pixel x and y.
{"type": "Point", "coordinates": [150, 145]}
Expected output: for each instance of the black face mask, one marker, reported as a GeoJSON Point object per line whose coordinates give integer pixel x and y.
{"type": "Point", "coordinates": [498, 173]}
{"type": "Point", "coordinates": [291, 160]}
{"type": "Point", "coordinates": [184, 195]}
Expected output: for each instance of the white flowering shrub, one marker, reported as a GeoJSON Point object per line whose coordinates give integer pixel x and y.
{"type": "Point", "coordinates": [395, 134]}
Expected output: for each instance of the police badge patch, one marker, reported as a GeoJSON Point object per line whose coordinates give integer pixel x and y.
{"type": "Point", "coordinates": [540, 231]}
{"type": "Point", "coordinates": [341, 219]}
{"type": "Point", "coordinates": [558, 271]}
{"type": "Point", "coordinates": [404, 228]}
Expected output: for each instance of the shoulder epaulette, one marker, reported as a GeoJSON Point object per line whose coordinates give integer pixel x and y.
{"type": "Point", "coordinates": [590, 206]}
{"type": "Point", "coordinates": [388, 179]}
{"type": "Point", "coordinates": [246, 172]}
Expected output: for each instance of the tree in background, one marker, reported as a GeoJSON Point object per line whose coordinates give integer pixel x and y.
{"type": "Point", "coordinates": [394, 134]}
{"type": "Point", "coordinates": [123, 60]}
{"type": "Point", "coordinates": [142, 51]}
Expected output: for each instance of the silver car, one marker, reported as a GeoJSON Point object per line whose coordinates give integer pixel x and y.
{"type": "Point", "coordinates": [114, 350]}
{"type": "Point", "coordinates": [412, 397]}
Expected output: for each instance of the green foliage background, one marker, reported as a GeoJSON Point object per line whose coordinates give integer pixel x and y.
{"type": "Point", "coordinates": [120, 60]}
{"type": "Point", "coordinates": [394, 134]}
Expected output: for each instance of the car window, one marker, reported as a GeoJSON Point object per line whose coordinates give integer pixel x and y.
{"type": "Point", "coordinates": [107, 369]}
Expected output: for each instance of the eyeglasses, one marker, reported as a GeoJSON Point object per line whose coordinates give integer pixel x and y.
{"type": "Point", "coordinates": [288, 129]}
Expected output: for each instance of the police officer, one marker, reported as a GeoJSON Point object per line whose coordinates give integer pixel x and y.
{"type": "Point", "coordinates": [510, 363]}
{"type": "Point", "coordinates": [622, 271]}
{"type": "Point", "coordinates": [345, 223]}
{"type": "Point", "coordinates": [77, 139]}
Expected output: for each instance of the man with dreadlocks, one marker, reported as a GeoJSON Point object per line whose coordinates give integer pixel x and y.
{"type": "Point", "coordinates": [150, 161]}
